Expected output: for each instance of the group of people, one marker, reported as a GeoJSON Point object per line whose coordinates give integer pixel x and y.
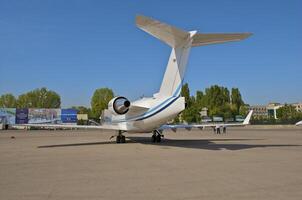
{"type": "Point", "coordinates": [218, 131]}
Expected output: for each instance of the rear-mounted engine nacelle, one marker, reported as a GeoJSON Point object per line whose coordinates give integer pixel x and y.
{"type": "Point", "coordinates": [119, 105]}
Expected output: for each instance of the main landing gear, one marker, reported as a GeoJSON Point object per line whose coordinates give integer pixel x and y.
{"type": "Point", "coordinates": [156, 137]}
{"type": "Point", "coordinates": [120, 138]}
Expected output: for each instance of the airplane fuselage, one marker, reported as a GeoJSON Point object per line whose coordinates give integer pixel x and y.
{"type": "Point", "coordinates": [161, 110]}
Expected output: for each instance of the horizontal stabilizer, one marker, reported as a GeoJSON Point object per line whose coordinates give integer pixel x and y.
{"type": "Point", "coordinates": [176, 37]}
{"type": "Point", "coordinates": [201, 39]}
{"type": "Point", "coordinates": [164, 32]}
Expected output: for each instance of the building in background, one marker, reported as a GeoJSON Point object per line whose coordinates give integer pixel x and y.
{"type": "Point", "coordinates": [298, 106]}
{"type": "Point", "coordinates": [259, 110]}
{"type": "Point", "coordinates": [83, 117]}
{"type": "Point", "coordinates": [204, 112]}
{"type": "Point", "coordinates": [270, 110]}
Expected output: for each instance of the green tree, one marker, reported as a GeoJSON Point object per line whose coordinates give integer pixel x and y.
{"type": "Point", "coordinates": [200, 100]}
{"type": "Point", "coordinates": [226, 112]}
{"type": "Point", "coordinates": [8, 101]}
{"type": "Point", "coordinates": [236, 100]}
{"type": "Point", "coordinates": [100, 100]}
{"type": "Point", "coordinates": [185, 92]}
{"type": "Point", "coordinates": [84, 110]}
{"type": "Point", "coordinates": [81, 109]}
{"type": "Point", "coordinates": [288, 114]}
{"type": "Point", "coordinates": [217, 100]}
{"type": "Point", "coordinates": [243, 110]}
{"type": "Point", "coordinates": [39, 98]}
{"type": "Point", "coordinates": [191, 114]}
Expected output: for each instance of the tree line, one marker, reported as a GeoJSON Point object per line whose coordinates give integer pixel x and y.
{"type": "Point", "coordinates": [99, 102]}
{"type": "Point", "coordinates": [44, 98]}
{"type": "Point", "coordinates": [38, 98]}
{"type": "Point", "coordinates": [217, 99]}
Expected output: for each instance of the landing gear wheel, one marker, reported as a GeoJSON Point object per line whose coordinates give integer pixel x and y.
{"type": "Point", "coordinates": [123, 139]}
{"type": "Point", "coordinates": [118, 139]}
{"type": "Point", "coordinates": [153, 138]}
{"type": "Point", "coordinates": [158, 138]}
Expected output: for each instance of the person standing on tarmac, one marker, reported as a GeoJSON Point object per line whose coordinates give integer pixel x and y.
{"type": "Point", "coordinates": [218, 130]}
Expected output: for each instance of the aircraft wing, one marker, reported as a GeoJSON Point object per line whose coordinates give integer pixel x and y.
{"type": "Point", "coordinates": [299, 123]}
{"type": "Point", "coordinates": [212, 125]}
{"type": "Point", "coordinates": [104, 126]}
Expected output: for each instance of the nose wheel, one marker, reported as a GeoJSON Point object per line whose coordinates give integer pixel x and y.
{"type": "Point", "coordinates": [156, 136]}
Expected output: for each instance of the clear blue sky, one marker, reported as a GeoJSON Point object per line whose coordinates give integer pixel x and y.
{"type": "Point", "coordinates": [74, 47]}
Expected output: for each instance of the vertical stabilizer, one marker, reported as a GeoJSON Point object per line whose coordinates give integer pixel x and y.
{"type": "Point", "coordinates": [180, 41]}
{"type": "Point", "coordinates": [175, 71]}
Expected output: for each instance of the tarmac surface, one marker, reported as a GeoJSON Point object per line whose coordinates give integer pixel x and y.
{"type": "Point", "coordinates": [245, 163]}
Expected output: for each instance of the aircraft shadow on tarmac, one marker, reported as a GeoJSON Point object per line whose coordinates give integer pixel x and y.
{"type": "Point", "coordinates": [80, 144]}
{"type": "Point", "coordinates": [207, 144]}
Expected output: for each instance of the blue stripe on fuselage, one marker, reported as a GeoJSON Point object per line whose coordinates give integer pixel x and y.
{"type": "Point", "coordinates": [166, 106]}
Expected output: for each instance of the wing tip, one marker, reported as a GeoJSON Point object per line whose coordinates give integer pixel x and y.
{"type": "Point", "coordinates": [248, 118]}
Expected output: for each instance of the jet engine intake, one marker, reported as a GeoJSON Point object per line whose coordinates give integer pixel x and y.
{"type": "Point", "coordinates": [119, 105]}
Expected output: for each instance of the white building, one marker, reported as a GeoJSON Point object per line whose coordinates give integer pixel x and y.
{"type": "Point", "coordinates": [298, 106]}
{"type": "Point", "coordinates": [259, 110]}
{"type": "Point", "coordinates": [270, 110]}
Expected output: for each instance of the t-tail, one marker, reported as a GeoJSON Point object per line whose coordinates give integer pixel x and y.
{"type": "Point", "coordinates": [181, 42]}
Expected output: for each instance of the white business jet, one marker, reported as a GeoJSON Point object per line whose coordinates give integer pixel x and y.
{"type": "Point", "coordinates": [150, 115]}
